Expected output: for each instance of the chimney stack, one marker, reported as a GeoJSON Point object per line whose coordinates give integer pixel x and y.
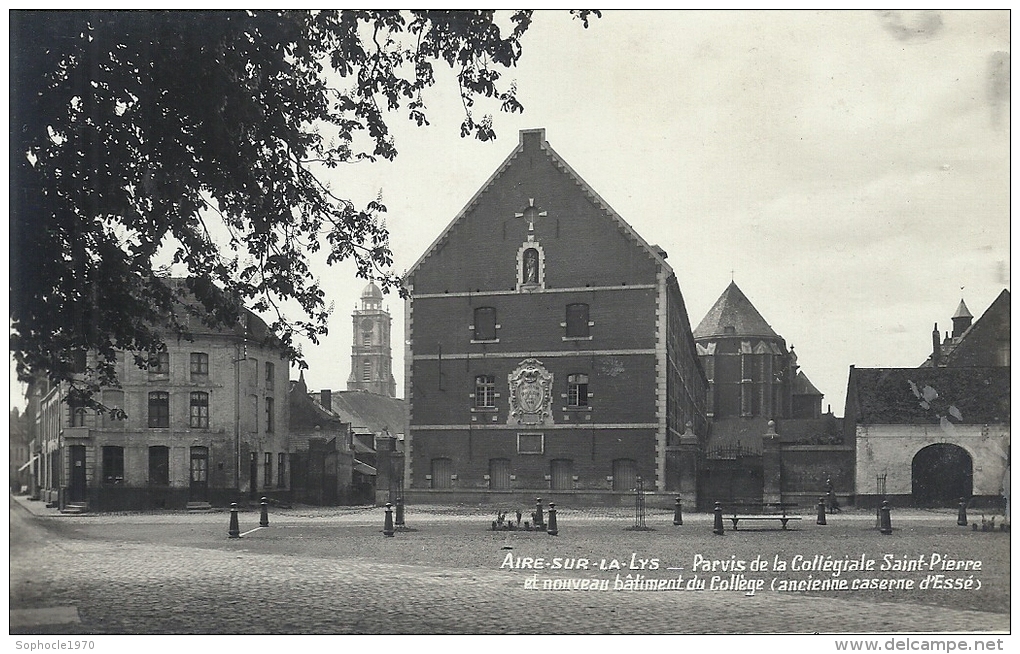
{"type": "Point", "coordinates": [936, 347]}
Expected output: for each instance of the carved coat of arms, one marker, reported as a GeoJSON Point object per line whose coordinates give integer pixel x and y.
{"type": "Point", "coordinates": [530, 394]}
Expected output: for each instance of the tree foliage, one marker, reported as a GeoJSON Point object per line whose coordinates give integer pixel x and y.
{"type": "Point", "coordinates": [207, 133]}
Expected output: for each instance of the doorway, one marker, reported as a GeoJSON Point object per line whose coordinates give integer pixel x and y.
{"type": "Point", "coordinates": [940, 474]}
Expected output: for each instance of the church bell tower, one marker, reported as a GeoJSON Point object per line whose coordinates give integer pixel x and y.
{"type": "Point", "coordinates": [371, 363]}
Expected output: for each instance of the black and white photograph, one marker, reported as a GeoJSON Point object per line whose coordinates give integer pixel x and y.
{"type": "Point", "coordinates": [488, 326]}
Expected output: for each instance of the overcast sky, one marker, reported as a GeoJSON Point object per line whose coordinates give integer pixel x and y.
{"type": "Point", "coordinates": [850, 168]}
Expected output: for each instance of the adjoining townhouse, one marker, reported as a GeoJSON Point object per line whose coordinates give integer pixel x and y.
{"type": "Point", "coordinates": [205, 423]}
{"type": "Point", "coordinates": [549, 351]}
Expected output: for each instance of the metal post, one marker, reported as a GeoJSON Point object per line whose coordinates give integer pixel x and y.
{"type": "Point", "coordinates": [539, 518]}
{"type": "Point", "coordinates": [678, 517]}
{"type": "Point", "coordinates": [234, 531]}
{"type": "Point", "coordinates": [553, 531]}
{"type": "Point", "coordinates": [400, 512]}
{"type": "Point", "coordinates": [264, 520]}
{"type": "Point", "coordinates": [718, 526]}
{"type": "Point", "coordinates": [961, 518]}
{"type": "Point", "coordinates": [388, 523]}
{"type": "Point", "coordinates": [886, 520]}
{"type": "Point", "coordinates": [639, 505]}
{"type": "Point", "coordinates": [821, 511]}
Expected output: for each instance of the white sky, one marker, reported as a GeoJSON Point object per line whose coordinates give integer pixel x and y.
{"type": "Point", "coordinates": [851, 168]}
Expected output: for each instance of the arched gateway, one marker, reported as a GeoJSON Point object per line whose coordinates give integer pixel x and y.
{"type": "Point", "coordinates": [941, 474]}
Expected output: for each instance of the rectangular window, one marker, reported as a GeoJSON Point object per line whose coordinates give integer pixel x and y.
{"type": "Point", "coordinates": [577, 390]}
{"type": "Point", "coordinates": [159, 363]}
{"type": "Point", "coordinates": [113, 464]}
{"type": "Point", "coordinates": [199, 410]}
{"type": "Point", "coordinates": [530, 443]}
{"type": "Point", "coordinates": [270, 414]}
{"type": "Point", "coordinates": [281, 466]}
{"type": "Point", "coordinates": [199, 365]}
{"type": "Point", "coordinates": [159, 409]}
{"type": "Point", "coordinates": [485, 391]}
{"type": "Point", "coordinates": [270, 373]}
{"type": "Point", "coordinates": [485, 324]}
{"type": "Point", "coordinates": [577, 321]}
{"type": "Point", "coordinates": [159, 465]}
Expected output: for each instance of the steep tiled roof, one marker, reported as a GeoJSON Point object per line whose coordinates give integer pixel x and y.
{"type": "Point", "coordinates": [803, 386]}
{"type": "Point", "coordinates": [369, 412]}
{"type": "Point", "coordinates": [734, 310]}
{"type": "Point", "coordinates": [925, 395]}
{"type": "Point", "coordinates": [962, 311]}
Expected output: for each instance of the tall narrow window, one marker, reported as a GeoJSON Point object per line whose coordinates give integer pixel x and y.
{"type": "Point", "coordinates": [199, 410]}
{"type": "Point", "coordinates": [281, 466]}
{"type": "Point", "coordinates": [485, 324]}
{"type": "Point", "coordinates": [267, 472]}
{"type": "Point", "coordinates": [77, 414]}
{"type": "Point", "coordinates": [577, 390]}
{"type": "Point", "coordinates": [199, 366]}
{"type": "Point", "coordinates": [114, 401]}
{"type": "Point", "coordinates": [270, 373]}
{"type": "Point", "coordinates": [159, 465]}
{"type": "Point", "coordinates": [577, 321]}
{"type": "Point", "coordinates": [366, 371]}
{"type": "Point", "coordinates": [113, 464]}
{"type": "Point", "coordinates": [159, 409]}
{"type": "Point", "coordinates": [485, 391]}
{"type": "Point", "coordinates": [270, 414]}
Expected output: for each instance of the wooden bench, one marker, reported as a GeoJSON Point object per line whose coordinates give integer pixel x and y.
{"type": "Point", "coordinates": [778, 511]}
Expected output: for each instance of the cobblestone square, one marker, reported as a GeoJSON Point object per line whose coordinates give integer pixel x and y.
{"type": "Point", "coordinates": [331, 571]}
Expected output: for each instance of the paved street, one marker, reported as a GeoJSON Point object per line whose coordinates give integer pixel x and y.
{"type": "Point", "coordinates": [330, 571]}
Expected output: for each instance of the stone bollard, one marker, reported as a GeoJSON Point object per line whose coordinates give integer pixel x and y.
{"type": "Point", "coordinates": [821, 511]}
{"type": "Point", "coordinates": [539, 520]}
{"type": "Point", "coordinates": [388, 523]}
{"type": "Point", "coordinates": [400, 513]}
{"type": "Point", "coordinates": [961, 517]}
{"type": "Point", "coordinates": [234, 531]}
{"type": "Point", "coordinates": [264, 519]}
{"type": "Point", "coordinates": [718, 526]}
{"type": "Point", "coordinates": [553, 531]}
{"type": "Point", "coordinates": [678, 516]}
{"type": "Point", "coordinates": [886, 527]}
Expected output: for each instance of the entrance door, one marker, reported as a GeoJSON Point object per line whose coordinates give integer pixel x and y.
{"type": "Point", "coordinates": [561, 472]}
{"type": "Point", "coordinates": [77, 481]}
{"type": "Point", "coordinates": [499, 474]}
{"type": "Point", "coordinates": [441, 471]}
{"type": "Point", "coordinates": [199, 486]}
{"type": "Point", "coordinates": [941, 474]}
{"type": "Point", "coordinates": [624, 475]}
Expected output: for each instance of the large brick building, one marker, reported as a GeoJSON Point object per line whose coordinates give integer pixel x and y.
{"type": "Point", "coordinates": [206, 422]}
{"type": "Point", "coordinates": [549, 349]}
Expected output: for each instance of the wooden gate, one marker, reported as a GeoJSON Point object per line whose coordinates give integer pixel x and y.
{"type": "Point", "coordinates": [561, 472]}
{"type": "Point", "coordinates": [441, 471]}
{"type": "Point", "coordinates": [499, 474]}
{"type": "Point", "coordinates": [624, 475]}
